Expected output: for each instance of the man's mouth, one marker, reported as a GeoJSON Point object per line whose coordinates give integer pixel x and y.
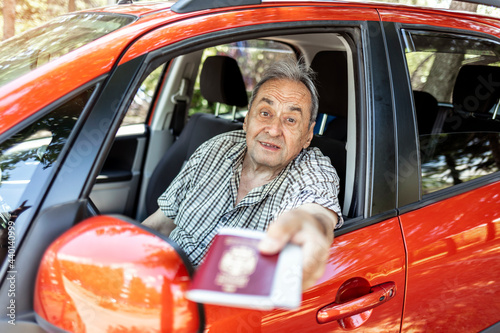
{"type": "Point", "coordinates": [269, 145]}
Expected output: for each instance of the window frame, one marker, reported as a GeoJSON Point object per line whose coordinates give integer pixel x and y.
{"type": "Point", "coordinates": [362, 187]}
{"type": "Point", "coordinates": [416, 163]}
{"type": "Point", "coordinates": [198, 43]}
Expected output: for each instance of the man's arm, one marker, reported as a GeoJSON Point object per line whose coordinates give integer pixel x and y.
{"type": "Point", "coordinates": [310, 226]}
{"type": "Point", "coordinates": [159, 222]}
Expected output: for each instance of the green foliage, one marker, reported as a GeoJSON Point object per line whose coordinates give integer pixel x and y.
{"type": "Point", "coordinates": [33, 13]}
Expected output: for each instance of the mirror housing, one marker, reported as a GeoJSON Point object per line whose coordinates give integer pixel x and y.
{"type": "Point", "coordinates": [107, 275]}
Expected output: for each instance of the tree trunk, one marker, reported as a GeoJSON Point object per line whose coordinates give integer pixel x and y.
{"type": "Point", "coordinates": [52, 8]}
{"type": "Point", "coordinates": [468, 7]}
{"type": "Point", "coordinates": [71, 6]}
{"type": "Point", "coordinates": [9, 18]}
{"type": "Point", "coordinates": [446, 65]}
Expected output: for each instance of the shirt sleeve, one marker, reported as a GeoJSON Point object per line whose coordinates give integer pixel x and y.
{"type": "Point", "coordinates": [317, 183]}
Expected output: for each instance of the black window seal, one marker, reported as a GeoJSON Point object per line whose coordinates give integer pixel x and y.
{"type": "Point", "coordinates": [407, 146]}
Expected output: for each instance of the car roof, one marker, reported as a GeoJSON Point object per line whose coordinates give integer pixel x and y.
{"type": "Point", "coordinates": [26, 95]}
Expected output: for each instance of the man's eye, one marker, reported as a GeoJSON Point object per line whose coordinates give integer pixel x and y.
{"type": "Point", "coordinates": [264, 113]}
{"type": "Point", "coordinates": [291, 120]}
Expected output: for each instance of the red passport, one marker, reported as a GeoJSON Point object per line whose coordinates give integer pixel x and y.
{"type": "Point", "coordinates": [235, 273]}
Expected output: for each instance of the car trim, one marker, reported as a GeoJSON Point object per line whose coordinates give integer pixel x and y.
{"type": "Point", "coordinates": [408, 173]}
{"type": "Point", "coordinates": [451, 192]}
{"type": "Point", "coordinates": [493, 3]}
{"type": "Point", "coordinates": [362, 222]}
{"type": "Point", "coordinates": [381, 120]}
{"type": "Point", "coordinates": [492, 329]}
{"type": "Point", "coordinates": [187, 6]}
{"type": "Point", "coordinates": [458, 32]}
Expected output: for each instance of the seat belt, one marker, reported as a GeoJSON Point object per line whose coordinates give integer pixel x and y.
{"type": "Point", "coordinates": [181, 102]}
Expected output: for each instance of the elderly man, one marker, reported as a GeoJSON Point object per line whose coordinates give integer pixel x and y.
{"type": "Point", "coordinates": [264, 177]}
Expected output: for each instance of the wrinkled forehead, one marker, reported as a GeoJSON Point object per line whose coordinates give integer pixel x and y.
{"type": "Point", "coordinates": [293, 95]}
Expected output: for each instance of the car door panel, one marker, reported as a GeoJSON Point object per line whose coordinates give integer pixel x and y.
{"type": "Point", "coordinates": [453, 263]}
{"type": "Point", "coordinates": [360, 259]}
{"type": "Point", "coordinates": [117, 185]}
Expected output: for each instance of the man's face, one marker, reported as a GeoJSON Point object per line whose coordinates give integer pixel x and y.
{"type": "Point", "coordinates": [277, 124]}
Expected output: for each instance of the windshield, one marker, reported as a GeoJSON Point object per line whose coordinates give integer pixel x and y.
{"type": "Point", "coordinates": [34, 48]}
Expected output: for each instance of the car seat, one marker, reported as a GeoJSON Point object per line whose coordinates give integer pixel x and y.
{"type": "Point", "coordinates": [427, 109]}
{"type": "Point", "coordinates": [475, 94]}
{"type": "Point", "coordinates": [331, 83]}
{"type": "Point", "coordinates": [220, 82]}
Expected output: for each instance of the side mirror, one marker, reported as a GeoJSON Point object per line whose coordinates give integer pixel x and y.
{"type": "Point", "coordinates": [108, 275]}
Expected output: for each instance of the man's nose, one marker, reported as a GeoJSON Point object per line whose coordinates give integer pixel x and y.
{"type": "Point", "coordinates": [275, 127]}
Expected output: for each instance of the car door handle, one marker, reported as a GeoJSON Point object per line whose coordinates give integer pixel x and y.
{"type": "Point", "coordinates": [378, 295]}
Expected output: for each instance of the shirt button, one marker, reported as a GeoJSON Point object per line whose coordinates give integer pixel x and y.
{"type": "Point", "coordinates": [224, 219]}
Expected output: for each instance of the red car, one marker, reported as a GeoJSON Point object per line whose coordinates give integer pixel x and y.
{"type": "Point", "coordinates": [100, 109]}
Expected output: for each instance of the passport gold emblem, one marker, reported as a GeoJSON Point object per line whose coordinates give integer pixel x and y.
{"type": "Point", "coordinates": [235, 267]}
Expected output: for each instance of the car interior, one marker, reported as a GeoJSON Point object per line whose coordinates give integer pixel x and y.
{"type": "Point", "coordinates": [205, 93]}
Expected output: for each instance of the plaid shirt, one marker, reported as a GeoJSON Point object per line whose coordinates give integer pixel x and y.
{"type": "Point", "coordinates": [201, 199]}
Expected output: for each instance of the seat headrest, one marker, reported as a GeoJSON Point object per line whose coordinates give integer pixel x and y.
{"type": "Point", "coordinates": [426, 107]}
{"type": "Point", "coordinates": [221, 82]}
{"type": "Point", "coordinates": [477, 88]}
{"type": "Point", "coordinates": [331, 82]}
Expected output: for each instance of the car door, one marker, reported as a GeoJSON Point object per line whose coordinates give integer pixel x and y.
{"type": "Point", "coordinates": [452, 229]}
{"type": "Point", "coordinates": [363, 286]}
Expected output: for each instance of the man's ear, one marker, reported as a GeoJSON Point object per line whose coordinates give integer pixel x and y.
{"type": "Point", "coordinates": [310, 135]}
{"type": "Point", "coordinates": [245, 120]}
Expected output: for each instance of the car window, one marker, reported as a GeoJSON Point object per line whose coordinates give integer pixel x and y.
{"type": "Point", "coordinates": [138, 110]}
{"type": "Point", "coordinates": [34, 48]}
{"type": "Point", "coordinates": [27, 157]}
{"type": "Point", "coordinates": [252, 56]}
{"type": "Point", "coordinates": [456, 87]}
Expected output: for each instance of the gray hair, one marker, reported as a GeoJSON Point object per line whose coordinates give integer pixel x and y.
{"type": "Point", "coordinates": [295, 71]}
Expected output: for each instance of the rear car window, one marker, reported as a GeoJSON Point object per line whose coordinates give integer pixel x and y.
{"type": "Point", "coordinates": [34, 48]}
{"type": "Point", "coordinates": [456, 88]}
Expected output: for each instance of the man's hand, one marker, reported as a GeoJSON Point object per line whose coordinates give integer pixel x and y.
{"type": "Point", "coordinates": [310, 226]}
